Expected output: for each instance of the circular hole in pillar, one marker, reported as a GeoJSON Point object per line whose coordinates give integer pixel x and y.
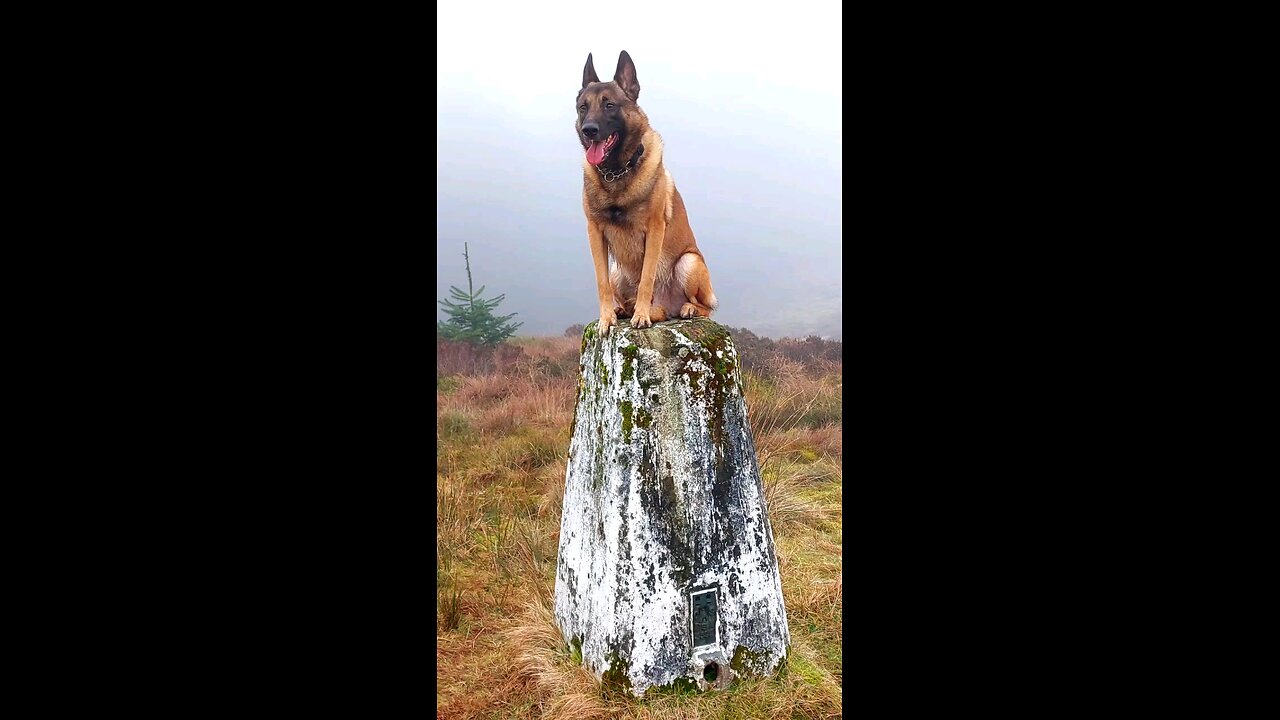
{"type": "Point", "coordinates": [711, 672]}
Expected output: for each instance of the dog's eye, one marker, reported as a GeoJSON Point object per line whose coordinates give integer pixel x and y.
{"type": "Point", "coordinates": [609, 106]}
{"type": "Point", "coordinates": [582, 108]}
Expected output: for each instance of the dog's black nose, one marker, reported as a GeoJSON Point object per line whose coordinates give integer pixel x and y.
{"type": "Point", "coordinates": [591, 130]}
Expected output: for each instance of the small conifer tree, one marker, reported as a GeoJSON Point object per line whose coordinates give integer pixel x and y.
{"type": "Point", "coordinates": [471, 317]}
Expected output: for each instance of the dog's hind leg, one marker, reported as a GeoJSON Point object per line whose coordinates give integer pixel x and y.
{"type": "Point", "coordinates": [693, 276]}
{"type": "Point", "coordinates": [694, 309]}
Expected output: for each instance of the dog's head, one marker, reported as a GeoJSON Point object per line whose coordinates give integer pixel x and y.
{"type": "Point", "coordinates": [607, 109]}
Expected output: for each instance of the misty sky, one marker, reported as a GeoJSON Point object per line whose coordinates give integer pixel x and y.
{"type": "Point", "coordinates": [747, 99]}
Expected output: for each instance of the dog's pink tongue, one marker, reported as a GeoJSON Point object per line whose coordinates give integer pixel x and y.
{"type": "Point", "coordinates": [595, 153]}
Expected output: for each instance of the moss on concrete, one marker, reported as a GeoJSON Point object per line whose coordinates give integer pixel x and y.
{"type": "Point", "coordinates": [626, 420]}
{"type": "Point", "coordinates": [628, 362]}
{"type": "Point", "coordinates": [617, 676]}
{"type": "Point", "coordinates": [746, 662]}
{"type": "Point", "coordinates": [679, 686]}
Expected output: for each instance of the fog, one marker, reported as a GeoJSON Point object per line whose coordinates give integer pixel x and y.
{"type": "Point", "coordinates": [747, 99]}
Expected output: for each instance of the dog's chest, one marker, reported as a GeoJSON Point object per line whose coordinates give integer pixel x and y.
{"type": "Point", "coordinates": [622, 217]}
{"type": "Point", "coordinates": [626, 243]}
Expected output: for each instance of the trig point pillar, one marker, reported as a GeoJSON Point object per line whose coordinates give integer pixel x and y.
{"type": "Point", "coordinates": [667, 574]}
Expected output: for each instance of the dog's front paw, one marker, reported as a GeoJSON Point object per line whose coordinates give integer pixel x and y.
{"type": "Point", "coordinates": [608, 318]}
{"type": "Point", "coordinates": [689, 310]}
{"type": "Point", "coordinates": [641, 318]}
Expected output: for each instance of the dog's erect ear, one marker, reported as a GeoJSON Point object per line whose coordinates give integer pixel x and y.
{"type": "Point", "coordinates": [589, 73]}
{"type": "Point", "coordinates": [625, 76]}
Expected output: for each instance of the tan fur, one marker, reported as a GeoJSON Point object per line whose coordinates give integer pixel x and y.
{"type": "Point", "coordinates": [651, 238]}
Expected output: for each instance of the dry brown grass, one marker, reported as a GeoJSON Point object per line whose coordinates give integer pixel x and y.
{"type": "Point", "coordinates": [502, 440]}
{"type": "Point", "coordinates": [552, 477]}
{"type": "Point", "coordinates": [788, 505]}
{"type": "Point", "coordinates": [806, 444]}
{"type": "Point", "coordinates": [498, 404]}
{"type": "Point", "coordinates": [564, 689]}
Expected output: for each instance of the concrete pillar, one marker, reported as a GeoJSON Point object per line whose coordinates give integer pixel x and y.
{"type": "Point", "coordinates": [667, 573]}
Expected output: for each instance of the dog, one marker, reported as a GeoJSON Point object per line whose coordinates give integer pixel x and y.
{"type": "Point", "coordinates": [634, 212]}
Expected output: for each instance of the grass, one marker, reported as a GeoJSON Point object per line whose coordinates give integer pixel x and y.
{"type": "Point", "coordinates": [502, 441]}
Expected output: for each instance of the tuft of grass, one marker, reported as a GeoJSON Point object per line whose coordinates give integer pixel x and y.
{"type": "Point", "coordinates": [788, 503]}
{"type": "Point", "coordinates": [450, 601]}
{"type": "Point", "coordinates": [447, 383]}
{"type": "Point", "coordinates": [535, 553]}
{"type": "Point", "coordinates": [563, 688]}
{"type": "Point", "coordinates": [552, 478]}
{"type": "Point", "coordinates": [453, 425]}
{"type": "Point", "coordinates": [457, 514]}
{"type": "Point", "coordinates": [542, 449]}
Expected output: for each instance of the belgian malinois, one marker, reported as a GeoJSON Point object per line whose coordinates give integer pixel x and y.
{"type": "Point", "coordinates": [634, 212]}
